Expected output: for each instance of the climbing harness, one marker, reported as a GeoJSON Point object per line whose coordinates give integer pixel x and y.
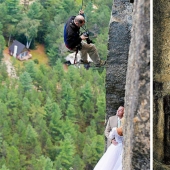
{"type": "Point", "coordinates": [78, 47]}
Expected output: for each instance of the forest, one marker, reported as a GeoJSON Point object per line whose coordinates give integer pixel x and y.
{"type": "Point", "coordinates": [51, 118]}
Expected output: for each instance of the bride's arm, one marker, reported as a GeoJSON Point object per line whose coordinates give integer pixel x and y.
{"type": "Point", "coordinates": [112, 133]}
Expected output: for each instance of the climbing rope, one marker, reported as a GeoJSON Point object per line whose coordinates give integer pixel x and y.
{"type": "Point", "coordinates": [82, 5]}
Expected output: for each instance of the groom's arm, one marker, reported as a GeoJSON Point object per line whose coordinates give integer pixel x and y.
{"type": "Point", "coordinates": [114, 142]}
{"type": "Point", "coordinates": [107, 130]}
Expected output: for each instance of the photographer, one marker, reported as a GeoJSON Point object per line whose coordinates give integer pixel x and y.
{"type": "Point", "coordinates": [74, 41]}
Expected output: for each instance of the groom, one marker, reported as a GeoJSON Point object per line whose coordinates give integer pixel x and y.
{"type": "Point", "coordinates": [113, 121]}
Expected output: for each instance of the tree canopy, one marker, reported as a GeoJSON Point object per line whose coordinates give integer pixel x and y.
{"type": "Point", "coordinates": [51, 118]}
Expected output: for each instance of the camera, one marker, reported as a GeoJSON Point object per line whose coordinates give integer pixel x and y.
{"type": "Point", "coordinates": [88, 40]}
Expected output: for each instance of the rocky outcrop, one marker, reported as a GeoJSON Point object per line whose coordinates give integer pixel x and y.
{"type": "Point", "coordinates": [118, 46]}
{"type": "Point", "coordinates": [130, 66]}
{"type": "Point", "coordinates": [137, 97]}
{"type": "Point", "coordinates": [161, 85]}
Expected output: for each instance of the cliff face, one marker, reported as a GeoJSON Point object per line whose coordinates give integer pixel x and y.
{"type": "Point", "coordinates": [137, 97]}
{"type": "Point", "coordinates": [128, 78]}
{"type": "Point", "coordinates": [161, 84]}
{"type": "Point", "coordinates": [118, 46]}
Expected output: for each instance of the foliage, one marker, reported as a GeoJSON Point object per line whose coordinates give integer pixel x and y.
{"type": "Point", "coordinates": [53, 118]}
{"type": "Point", "coordinates": [29, 28]}
{"type": "Point", "coordinates": [43, 21]}
{"type": "Point", "coordinates": [2, 43]}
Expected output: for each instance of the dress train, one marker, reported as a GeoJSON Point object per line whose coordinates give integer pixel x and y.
{"type": "Point", "coordinates": [112, 158]}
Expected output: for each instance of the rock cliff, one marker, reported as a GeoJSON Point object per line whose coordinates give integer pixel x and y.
{"type": "Point", "coordinates": [128, 78]}
{"type": "Point", "coordinates": [161, 84]}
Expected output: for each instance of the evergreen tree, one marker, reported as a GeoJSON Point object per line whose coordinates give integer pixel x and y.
{"type": "Point", "coordinates": [2, 42]}
{"type": "Point", "coordinates": [21, 129]}
{"type": "Point", "coordinates": [55, 123]}
{"type": "Point", "coordinates": [74, 77]}
{"type": "Point", "coordinates": [68, 95]}
{"type": "Point", "coordinates": [12, 159]}
{"type": "Point", "coordinates": [59, 71]}
{"type": "Point", "coordinates": [26, 81]}
{"type": "Point", "coordinates": [44, 163]}
{"type": "Point", "coordinates": [100, 115]}
{"type": "Point", "coordinates": [12, 101]}
{"type": "Point", "coordinates": [87, 101]}
{"type": "Point", "coordinates": [53, 117]}
{"type": "Point", "coordinates": [4, 168]}
{"type": "Point", "coordinates": [35, 10]}
{"type": "Point", "coordinates": [25, 105]}
{"type": "Point", "coordinates": [71, 113]}
{"type": "Point", "coordinates": [78, 163]}
{"type": "Point", "coordinates": [31, 69]}
{"type": "Point", "coordinates": [3, 72]}
{"type": "Point", "coordinates": [93, 147]}
{"type": "Point", "coordinates": [12, 7]}
{"type": "Point", "coordinates": [64, 159]}
{"type": "Point", "coordinates": [31, 139]}
{"type": "Point", "coordinates": [15, 140]}
{"type": "Point", "coordinates": [38, 80]}
{"type": "Point", "coordinates": [3, 13]}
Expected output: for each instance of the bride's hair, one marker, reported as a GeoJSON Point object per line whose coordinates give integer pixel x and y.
{"type": "Point", "coordinates": [120, 131]}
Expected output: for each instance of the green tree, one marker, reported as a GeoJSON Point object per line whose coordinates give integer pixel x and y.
{"type": "Point", "coordinates": [87, 100]}
{"type": "Point", "coordinates": [53, 54]}
{"type": "Point", "coordinates": [68, 95]}
{"type": "Point", "coordinates": [25, 105]}
{"type": "Point", "coordinates": [21, 129]}
{"type": "Point", "coordinates": [93, 147]}
{"type": "Point", "coordinates": [59, 69]}
{"type": "Point", "coordinates": [35, 10]}
{"type": "Point", "coordinates": [2, 43]}
{"type": "Point", "coordinates": [12, 7]}
{"type": "Point", "coordinates": [11, 31]}
{"type": "Point", "coordinates": [4, 168]}
{"type": "Point", "coordinates": [31, 69]}
{"type": "Point", "coordinates": [78, 163]}
{"type": "Point", "coordinates": [44, 163]}
{"type": "Point", "coordinates": [3, 72]}
{"type": "Point", "coordinates": [12, 12]}
{"type": "Point", "coordinates": [32, 146]}
{"type": "Point", "coordinates": [71, 113]}
{"type": "Point", "coordinates": [74, 77]}
{"type": "Point", "coordinates": [55, 123]}
{"type": "Point", "coordinates": [64, 159]}
{"type": "Point", "coordinates": [43, 27]}
{"type": "Point", "coordinates": [12, 101]}
{"type": "Point", "coordinates": [29, 28]}
{"type": "Point", "coordinates": [53, 41]}
{"type": "Point", "coordinates": [26, 81]}
{"type": "Point", "coordinates": [68, 127]}
{"type": "Point", "coordinates": [15, 140]}
{"type": "Point", "coordinates": [100, 115]}
{"type": "Point", "coordinates": [38, 79]}
{"type": "Point", "coordinates": [12, 159]}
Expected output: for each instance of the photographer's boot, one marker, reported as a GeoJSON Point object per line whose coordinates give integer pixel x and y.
{"type": "Point", "coordinates": [102, 63]}
{"type": "Point", "coordinates": [84, 61]}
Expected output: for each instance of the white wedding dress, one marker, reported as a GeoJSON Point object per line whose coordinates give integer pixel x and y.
{"type": "Point", "coordinates": [112, 158]}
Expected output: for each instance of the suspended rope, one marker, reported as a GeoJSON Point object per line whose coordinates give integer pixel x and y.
{"type": "Point", "coordinates": [82, 5]}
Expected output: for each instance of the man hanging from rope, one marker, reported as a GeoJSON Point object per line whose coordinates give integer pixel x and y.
{"type": "Point", "coordinates": [74, 41]}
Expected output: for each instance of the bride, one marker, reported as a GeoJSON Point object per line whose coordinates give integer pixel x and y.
{"type": "Point", "coordinates": [112, 159]}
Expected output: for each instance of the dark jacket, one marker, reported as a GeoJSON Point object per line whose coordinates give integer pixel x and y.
{"type": "Point", "coordinates": [71, 34]}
